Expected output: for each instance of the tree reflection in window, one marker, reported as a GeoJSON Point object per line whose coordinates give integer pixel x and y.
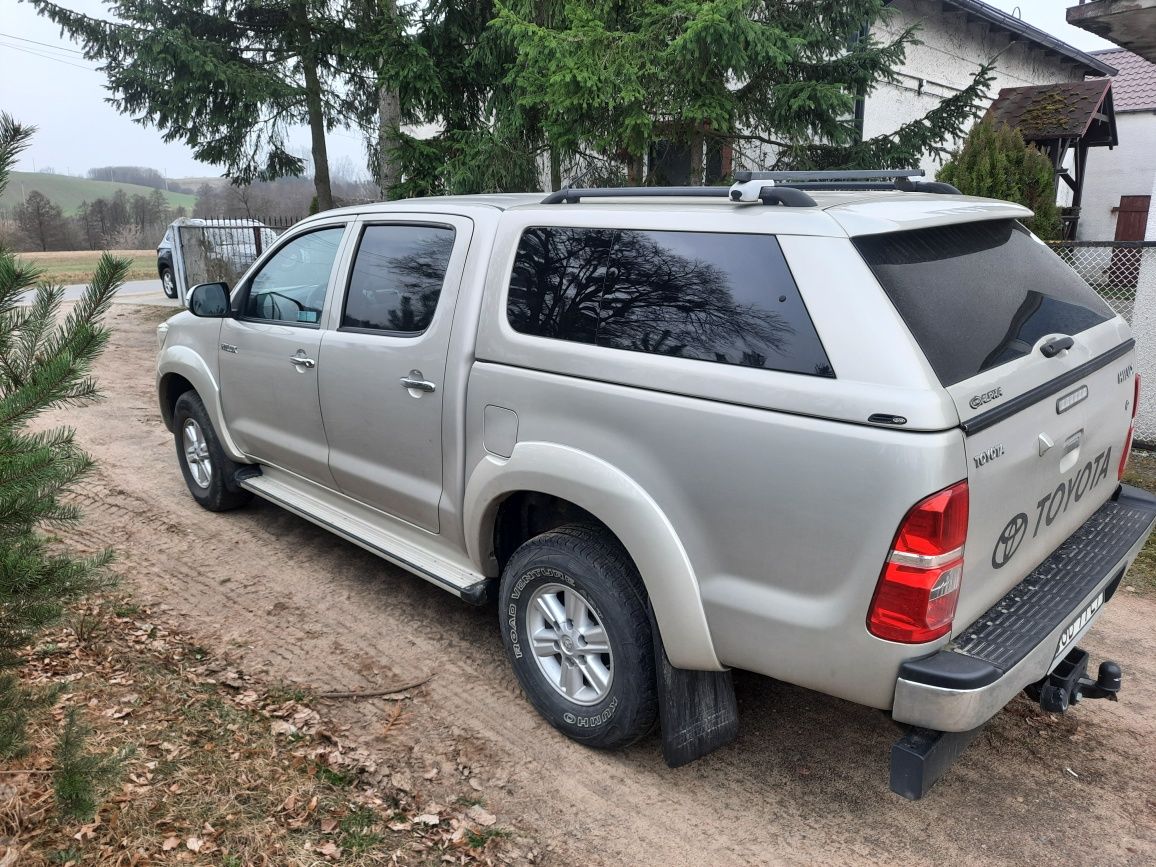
{"type": "Point", "coordinates": [727, 298]}
{"type": "Point", "coordinates": [397, 277]}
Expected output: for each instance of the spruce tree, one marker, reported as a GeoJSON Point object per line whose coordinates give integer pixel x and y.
{"type": "Point", "coordinates": [45, 362]}
{"type": "Point", "coordinates": [994, 162]}
{"type": "Point", "coordinates": [519, 83]}
{"type": "Point", "coordinates": [230, 78]}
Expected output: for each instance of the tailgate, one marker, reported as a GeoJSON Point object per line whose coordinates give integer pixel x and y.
{"type": "Point", "coordinates": [1041, 373]}
{"type": "Point", "coordinates": [1040, 463]}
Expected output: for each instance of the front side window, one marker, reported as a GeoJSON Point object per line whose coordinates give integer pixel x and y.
{"type": "Point", "coordinates": [291, 286]}
{"type": "Point", "coordinates": [710, 296]}
{"type": "Point", "coordinates": [397, 278]}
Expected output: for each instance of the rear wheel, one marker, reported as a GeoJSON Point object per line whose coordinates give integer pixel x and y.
{"type": "Point", "coordinates": [208, 471]}
{"type": "Point", "coordinates": [577, 632]}
{"type": "Point", "coordinates": [168, 282]}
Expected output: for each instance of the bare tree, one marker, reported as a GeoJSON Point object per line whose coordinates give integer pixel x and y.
{"type": "Point", "coordinates": [42, 221]}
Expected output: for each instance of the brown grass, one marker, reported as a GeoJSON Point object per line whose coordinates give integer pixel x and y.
{"type": "Point", "coordinates": [224, 771]}
{"type": "Point", "coordinates": [76, 266]}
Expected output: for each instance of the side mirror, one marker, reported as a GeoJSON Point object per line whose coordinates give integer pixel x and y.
{"type": "Point", "coordinates": [209, 300]}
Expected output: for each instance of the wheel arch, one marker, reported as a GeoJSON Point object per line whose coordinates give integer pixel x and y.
{"type": "Point", "coordinates": [180, 370]}
{"type": "Point", "coordinates": [614, 500]}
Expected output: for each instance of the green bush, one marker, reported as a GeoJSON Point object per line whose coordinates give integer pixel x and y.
{"type": "Point", "coordinates": [995, 162]}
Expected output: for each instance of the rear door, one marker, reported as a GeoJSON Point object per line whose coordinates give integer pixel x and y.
{"type": "Point", "coordinates": [382, 383]}
{"type": "Point", "coordinates": [1040, 371]}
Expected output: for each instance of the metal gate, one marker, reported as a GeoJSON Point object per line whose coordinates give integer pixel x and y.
{"type": "Point", "coordinates": [221, 249]}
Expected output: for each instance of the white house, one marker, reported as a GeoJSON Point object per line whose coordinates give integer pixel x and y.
{"type": "Point", "coordinates": [1119, 183]}
{"type": "Point", "coordinates": [957, 36]}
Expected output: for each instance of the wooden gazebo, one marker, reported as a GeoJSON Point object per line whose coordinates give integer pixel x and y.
{"type": "Point", "coordinates": [1070, 116]}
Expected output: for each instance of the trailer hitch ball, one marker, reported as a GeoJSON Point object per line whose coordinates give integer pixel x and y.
{"type": "Point", "coordinates": [1108, 677]}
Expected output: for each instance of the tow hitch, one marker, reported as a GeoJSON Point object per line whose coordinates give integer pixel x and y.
{"type": "Point", "coordinates": [922, 756]}
{"type": "Point", "coordinates": [1069, 683]}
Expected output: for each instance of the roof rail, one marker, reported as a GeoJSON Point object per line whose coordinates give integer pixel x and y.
{"type": "Point", "coordinates": [746, 184]}
{"type": "Point", "coordinates": [793, 178]}
{"type": "Point", "coordinates": [768, 195]}
{"type": "Point", "coordinates": [770, 188]}
{"type": "Point", "coordinates": [569, 196]}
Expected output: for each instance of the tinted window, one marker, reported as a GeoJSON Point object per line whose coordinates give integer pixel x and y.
{"type": "Point", "coordinates": [397, 277]}
{"type": "Point", "coordinates": [291, 286]}
{"type": "Point", "coordinates": [978, 295]}
{"type": "Point", "coordinates": [709, 296]}
{"type": "Point", "coordinates": [557, 282]}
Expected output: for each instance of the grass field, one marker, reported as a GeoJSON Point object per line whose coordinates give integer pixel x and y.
{"type": "Point", "coordinates": [69, 192]}
{"type": "Point", "coordinates": [76, 266]}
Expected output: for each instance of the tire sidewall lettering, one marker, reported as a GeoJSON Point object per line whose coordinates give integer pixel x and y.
{"type": "Point", "coordinates": [515, 619]}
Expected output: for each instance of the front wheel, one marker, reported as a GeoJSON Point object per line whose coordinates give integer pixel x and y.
{"type": "Point", "coordinates": [577, 632]}
{"type": "Point", "coordinates": [208, 471]}
{"type": "Point", "coordinates": [168, 282]}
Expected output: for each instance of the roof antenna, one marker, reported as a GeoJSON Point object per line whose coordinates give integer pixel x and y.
{"type": "Point", "coordinates": [1017, 14]}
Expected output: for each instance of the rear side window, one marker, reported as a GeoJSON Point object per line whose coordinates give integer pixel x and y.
{"type": "Point", "coordinates": [397, 278]}
{"type": "Point", "coordinates": [709, 296]}
{"type": "Point", "coordinates": [978, 295]}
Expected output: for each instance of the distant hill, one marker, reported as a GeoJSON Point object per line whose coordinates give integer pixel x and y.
{"type": "Point", "coordinates": [69, 192]}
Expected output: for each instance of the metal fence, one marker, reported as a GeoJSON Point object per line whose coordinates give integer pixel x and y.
{"type": "Point", "coordinates": [211, 249]}
{"type": "Point", "coordinates": [1112, 268]}
{"type": "Point", "coordinates": [1124, 274]}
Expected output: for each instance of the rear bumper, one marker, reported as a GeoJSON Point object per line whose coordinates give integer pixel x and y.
{"type": "Point", "coordinates": [1024, 635]}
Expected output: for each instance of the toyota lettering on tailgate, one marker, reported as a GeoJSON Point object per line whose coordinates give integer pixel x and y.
{"type": "Point", "coordinates": [1050, 506]}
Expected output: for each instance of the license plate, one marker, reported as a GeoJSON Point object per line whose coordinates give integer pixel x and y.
{"type": "Point", "coordinates": [1077, 625]}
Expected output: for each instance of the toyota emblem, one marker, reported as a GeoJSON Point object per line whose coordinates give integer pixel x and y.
{"type": "Point", "coordinates": [1009, 540]}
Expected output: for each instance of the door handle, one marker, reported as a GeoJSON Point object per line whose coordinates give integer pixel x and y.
{"type": "Point", "coordinates": [302, 361]}
{"type": "Point", "coordinates": [416, 380]}
{"type": "Point", "coordinates": [1056, 345]}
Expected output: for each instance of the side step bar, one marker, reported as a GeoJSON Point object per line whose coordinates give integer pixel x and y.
{"type": "Point", "coordinates": [282, 490]}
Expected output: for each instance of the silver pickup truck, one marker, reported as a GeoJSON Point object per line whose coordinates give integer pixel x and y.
{"type": "Point", "coordinates": [864, 435]}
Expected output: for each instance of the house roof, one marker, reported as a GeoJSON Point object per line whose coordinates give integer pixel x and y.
{"type": "Point", "coordinates": [1067, 109]}
{"type": "Point", "coordinates": [1017, 29]}
{"type": "Point", "coordinates": [1134, 84]}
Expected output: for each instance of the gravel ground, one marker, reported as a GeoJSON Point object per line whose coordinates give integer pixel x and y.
{"type": "Point", "coordinates": [806, 781]}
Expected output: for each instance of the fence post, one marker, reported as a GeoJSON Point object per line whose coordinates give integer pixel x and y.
{"type": "Point", "coordinates": [1144, 329]}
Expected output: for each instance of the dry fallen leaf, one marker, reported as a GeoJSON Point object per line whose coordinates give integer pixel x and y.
{"type": "Point", "coordinates": [170, 844]}
{"type": "Point", "coordinates": [193, 844]}
{"type": "Point", "coordinates": [428, 819]}
{"type": "Point", "coordinates": [478, 814]}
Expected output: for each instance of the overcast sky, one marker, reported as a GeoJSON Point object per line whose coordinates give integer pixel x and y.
{"type": "Point", "coordinates": [53, 87]}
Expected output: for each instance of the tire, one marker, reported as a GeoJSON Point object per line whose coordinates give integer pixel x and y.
{"type": "Point", "coordinates": [168, 282]}
{"type": "Point", "coordinates": [207, 469]}
{"type": "Point", "coordinates": [562, 571]}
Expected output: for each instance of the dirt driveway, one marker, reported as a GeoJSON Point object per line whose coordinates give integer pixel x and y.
{"type": "Point", "coordinates": [806, 781]}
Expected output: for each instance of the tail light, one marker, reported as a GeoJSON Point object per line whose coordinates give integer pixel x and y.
{"type": "Point", "coordinates": [1131, 430]}
{"type": "Point", "coordinates": [915, 599]}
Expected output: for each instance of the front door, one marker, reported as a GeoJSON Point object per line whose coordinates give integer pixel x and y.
{"type": "Point", "coordinates": [1131, 225]}
{"type": "Point", "coordinates": [270, 355]}
{"type": "Point", "coordinates": [384, 377]}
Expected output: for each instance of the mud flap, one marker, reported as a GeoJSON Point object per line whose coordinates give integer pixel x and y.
{"type": "Point", "coordinates": [696, 709]}
{"type": "Point", "coordinates": [922, 756]}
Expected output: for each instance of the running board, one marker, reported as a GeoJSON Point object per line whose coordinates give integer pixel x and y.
{"type": "Point", "coordinates": [293, 496]}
